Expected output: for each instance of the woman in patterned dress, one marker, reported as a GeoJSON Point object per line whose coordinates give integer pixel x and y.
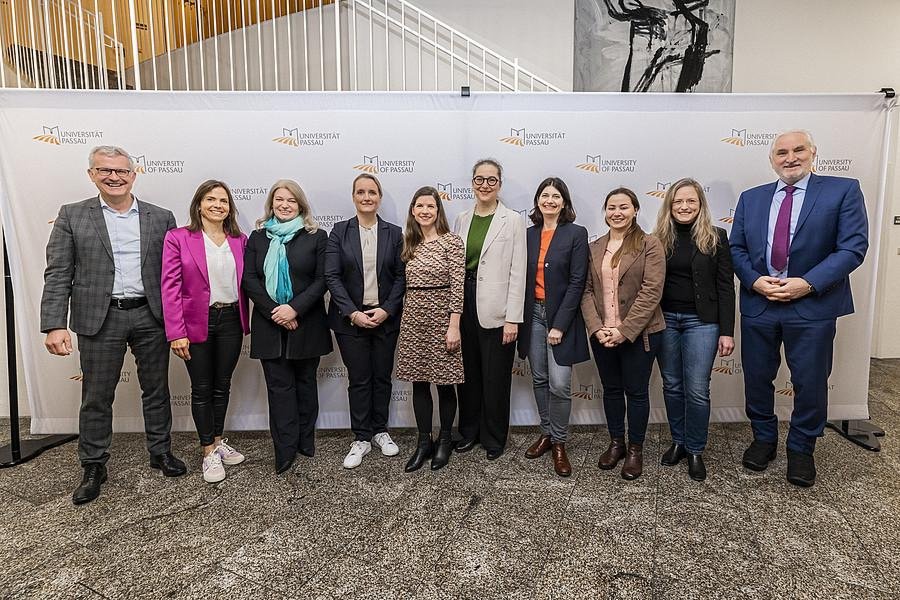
{"type": "Point", "coordinates": [428, 351]}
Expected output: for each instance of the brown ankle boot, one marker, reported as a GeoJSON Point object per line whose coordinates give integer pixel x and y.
{"type": "Point", "coordinates": [539, 448]}
{"type": "Point", "coordinates": [613, 454]}
{"type": "Point", "coordinates": [634, 462]}
{"type": "Point", "coordinates": [561, 463]}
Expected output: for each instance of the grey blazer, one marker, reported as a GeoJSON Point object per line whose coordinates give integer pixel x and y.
{"type": "Point", "coordinates": [80, 265]}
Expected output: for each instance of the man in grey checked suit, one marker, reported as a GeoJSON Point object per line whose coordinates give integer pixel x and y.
{"type": "Point", "coordinates": [105, 256]}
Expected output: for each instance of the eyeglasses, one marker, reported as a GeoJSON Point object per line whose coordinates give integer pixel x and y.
{"type": "Point", "coordinates": [104, 172]}
{"type": "Point", "coordinates": [490, 181]}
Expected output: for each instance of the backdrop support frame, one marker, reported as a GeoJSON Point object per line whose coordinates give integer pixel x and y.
{"type": "Point", "coordinates": [19, 451]}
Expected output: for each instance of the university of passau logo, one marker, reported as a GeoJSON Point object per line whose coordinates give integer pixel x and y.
{"type": "Point", "coordinates": [58, 136]}
{"type": "Point", "coordinates": [730, 218]}
{"type": "Point", "coordinates": [662, 188]}
{"type": "Point", "coordinates": [376, 166]}
{"type": "Point", "coordinates": [743, 138]}
{"type": "Point", "coordinates": [149, 166]}
{"type": "Point", "coordinates": [522, 138]}
{"type": "Point", "coordinates": [246, 194]}
{"type": "Point", "coordinates": [832, 166]}
{"type": "Point", "coordinates": [595, 163]}
{"type": "Point", "coordinates": [727, 366]}
{"type": "Point", "coordinates": [296, 138]}
{"type": "Point", "coordinates": [587, 392]}
{"type": "Point", "coordinates": [449, 192]}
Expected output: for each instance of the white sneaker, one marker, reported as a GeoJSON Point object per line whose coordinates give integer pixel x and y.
{"type": "Point", "coordinates": [388, 447]}
{"type": "Point", "coordinates": [358, 449]}
{"type": "Point", "coordinates": [213, 471]}
{"type": "Point", "coordinates": [229, 455]}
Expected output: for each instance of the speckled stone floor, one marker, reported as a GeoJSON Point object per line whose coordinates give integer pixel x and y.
{"type": "Point", "coordinates": [477, 529]}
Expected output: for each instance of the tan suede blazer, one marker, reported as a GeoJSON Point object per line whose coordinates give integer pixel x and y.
{"type": "Point", "coordinates": [641, 279]}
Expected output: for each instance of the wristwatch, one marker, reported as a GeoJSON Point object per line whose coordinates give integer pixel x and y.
{"type": "Point", "coordinates": [812, 289]}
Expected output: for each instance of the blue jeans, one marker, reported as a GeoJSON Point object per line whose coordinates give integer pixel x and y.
{"type": "Point", "coordinates": [552, 382]}
{"type": "Point", "coordinates": [685, 362]}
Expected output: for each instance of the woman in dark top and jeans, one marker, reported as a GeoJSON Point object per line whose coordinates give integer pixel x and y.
{"type": "Point", "coordinates": [698, 305]}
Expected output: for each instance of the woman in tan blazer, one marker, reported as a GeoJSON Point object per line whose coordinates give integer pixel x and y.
{"type": "Point", "coordinates": [494, 238]}
{"type": "Point", "coordinates": [621, 311]}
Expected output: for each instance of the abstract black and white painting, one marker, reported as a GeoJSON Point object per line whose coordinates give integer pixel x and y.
{"type": "Point", "coordinates": [653, 45]}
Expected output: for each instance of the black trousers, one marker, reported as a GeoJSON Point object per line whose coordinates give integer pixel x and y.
{"type": "Point", "coordinates": [423, 406]}
{"type": "Point", "coordinates": [293, 405]}
{"type": "Point", "coordinates": [487, 363]}
{"type": "Point", "coordinates": [369, 358]}
{"type": "Point", "coordinates": [101, 357]}
{"type": "Point", "coordinates": [210, 368]}
{"type": "Point", "coordinates": [625, 374]}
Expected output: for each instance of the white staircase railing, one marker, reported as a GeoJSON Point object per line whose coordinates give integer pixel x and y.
{"type": "Point", "coordinates": [442, 57]}
{"type": "Point", "coordinates": [248, 45]}
{"type": "Point", "coordinates": [58, 44]}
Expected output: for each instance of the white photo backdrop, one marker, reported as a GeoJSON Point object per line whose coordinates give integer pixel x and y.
{"type": "Point", "coordinates": [323, 140]}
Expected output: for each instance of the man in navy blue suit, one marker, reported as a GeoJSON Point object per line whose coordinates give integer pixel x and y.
{"type": "Point", "coordinates": [794, 243]}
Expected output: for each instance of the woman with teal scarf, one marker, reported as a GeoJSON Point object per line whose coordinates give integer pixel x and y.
{"type": "Point", "coordinates": [284, 276]}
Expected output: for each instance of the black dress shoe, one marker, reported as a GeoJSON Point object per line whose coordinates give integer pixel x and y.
{"type": "Point", "coordinates": [758, 456]}
{"type": "Point", "coordinates": [801, 469]}
{"type": "Point", "coordinates": [673, 455]}
{"type": "Point", "coordinates": [424, 450]}
{"type": "Point", "coordinates": [94, 477]}
{"type": "Point", "coordinates": [696, 468]}
{"type": "Point", "coordinates": [310, 452]}
{"type": "Point", "coordinates": [284, 466]}
{"type": "Point", "coordinates": [494, 453]}
{"type": "Point", "coordinates": [442, 451]}
{"type": "Point", "coordinates": [168, 464]}
{"type": "Point", "coordinates": [465, 445]}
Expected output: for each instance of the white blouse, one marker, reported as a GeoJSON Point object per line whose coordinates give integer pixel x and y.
{"type": "Point", "coordinates": [222, 272]}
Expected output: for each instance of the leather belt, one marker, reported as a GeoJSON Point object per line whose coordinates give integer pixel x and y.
{"type": "Point", "coordinates": [128, 303]}
{"type": "Point", "coordinates": [471, 275]}
{"type": "Point", "coordinates": [223, 305]}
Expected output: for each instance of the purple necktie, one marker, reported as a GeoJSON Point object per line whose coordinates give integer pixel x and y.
{"type": "Point", "coordinates": [781, 239]}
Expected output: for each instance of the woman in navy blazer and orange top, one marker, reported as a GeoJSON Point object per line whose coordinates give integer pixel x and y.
{"type": "Point", "coordinates": [492, 310]}
{"type": "Point", "coordinates": [284, 275]}
{"type": "Point", "coordinates": [698, 305]}
{"type": "Point", "coordinates": [552, 336]}
{"type": "Point", "coordinates": [364, 274]}
{"type": "Point", "coordinates": [205, 313]}
{"type": "Point", "coordinates": [622, 314]}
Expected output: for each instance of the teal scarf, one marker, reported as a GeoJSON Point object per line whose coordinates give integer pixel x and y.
{"type": "Point", "coordinates": [277, 270]}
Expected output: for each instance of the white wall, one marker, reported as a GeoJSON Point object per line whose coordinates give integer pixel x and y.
{"type": "Point", "coordinates": [815, 46]}
{"type": "Point", "coordinates": [539, 33]}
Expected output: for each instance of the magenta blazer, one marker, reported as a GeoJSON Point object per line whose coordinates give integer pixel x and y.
{"type": "Point", "coordinates": [185, 284]}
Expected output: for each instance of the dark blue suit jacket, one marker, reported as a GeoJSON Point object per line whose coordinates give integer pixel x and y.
{"type": "Point", "coordinates": [830, 241]}
{"type": "Point", "coordinates": [565, 274]}
{"type": "Point", "coordinates": [344, 274]}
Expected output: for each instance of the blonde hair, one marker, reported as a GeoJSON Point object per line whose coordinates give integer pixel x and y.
{"type": "Point", "coordinates": [703, 233]}
{"type": "Point", "coordinates": [309, 221]}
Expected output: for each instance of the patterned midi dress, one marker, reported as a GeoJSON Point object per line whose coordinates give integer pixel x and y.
{"type": "Point", "coordinates": [434, 289]}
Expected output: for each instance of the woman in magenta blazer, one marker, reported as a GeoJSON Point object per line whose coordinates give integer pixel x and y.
{"type": "Point", "coordinates": [205, 313]}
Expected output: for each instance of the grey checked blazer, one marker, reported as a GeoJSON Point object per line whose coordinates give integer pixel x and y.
{"type": "Point", "coordinates": [80, 265]}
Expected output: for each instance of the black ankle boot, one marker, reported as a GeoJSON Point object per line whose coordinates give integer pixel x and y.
{"type": "Point", "coordinates": [423, 452]}
{"type": "Point", "coordinates": [442, 451]}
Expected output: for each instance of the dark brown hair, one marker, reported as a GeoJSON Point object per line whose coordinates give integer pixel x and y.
{"type": "Point", "coordinates": [230, 225]}
{"type": "Point", "coordinates": [634, 237]}
{"type": "Point", "coordinates": [566, 215]}
{"type": "Point", "coordinates": [412, 237]}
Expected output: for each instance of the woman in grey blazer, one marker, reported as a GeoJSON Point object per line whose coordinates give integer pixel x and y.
{"type": "Point", "coordinates": [494, 237]}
